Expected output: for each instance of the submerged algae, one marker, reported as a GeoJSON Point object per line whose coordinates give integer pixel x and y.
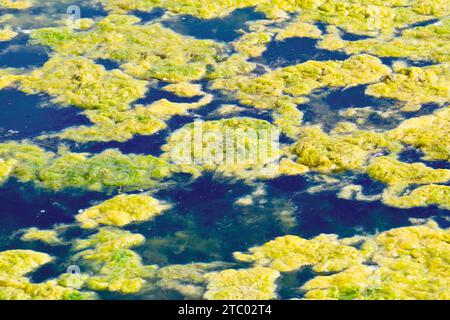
{"type": "Point", "coordinates": [406, 263]}
{"type": "Point", "coordinates": [121, 210]}
{"type": "Point", "coordinates": [325, 253]}
{"type": "Point", "coordinates": [7, 34]}
{"type": "Point", "coordinates": [430, 133]}
{"type": "Point", "coordinates": [244, 284]}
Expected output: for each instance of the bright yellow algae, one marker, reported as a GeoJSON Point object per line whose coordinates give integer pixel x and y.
{"type": "Point", "coordinates": [415, 85]}
{"type": "Point", "coordinates": [299, 29]}
{"type": "Point", "coordinates": [16, 264]}
{"type": "Point", "coordinates": [7, 34]}
{"type": "Point", "coordinates": [6, 168]}
{"type": "Point", "coordinates": [16, 4]}
{"type": "Point", "coordinates": [144, 51]}
{"type": "Point", "coordinates": [121, 210]}
{"type": "Point", "coordinates": [116, 267]}
{"type": "Point", "coordinates": [406, 263]}
{"type": "Point", "coordinates": [79, 81]}
{"type": "Point", "coordinates": [422, 196]}
{"type": "Point", "coordinates": [244, 284]}
{"type": "Point", "coordinates": [430, 133]}
{"type": "Point", "coordinates": [325, 253]}
{"type": "Point", "coordinates": [253, 44]}
{"type": "Point", "coordinates": [185, 89]}
{"type": "Point", "coordinates": [324, 153]}
{"type": "Point", "coordinates": [46, 236]}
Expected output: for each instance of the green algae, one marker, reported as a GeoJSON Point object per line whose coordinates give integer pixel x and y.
{"type": "Point", "coordinates": [423, 196]}
{"type": "Point", "coordinates": [234, 65]}
{"type": "Point", "coordinates": [428, 133]}
{"type": "Point", "coordinates": [144, 51]}
{"type": "Point", "coordinates": [415, 85]}
{"type": "Point", "coordinates": [121, 210]}
{"type": "Point", "coordinates": [405, 263]}
{"type": "Point", "coordinates": [244, 284]}
{"type": "Point", "coordinates": [299, 29]}
{"type": "Point", "coordinates": [116, 268]}
{"type": "Point", "coordinates": [6, 168]}
{"type": "Point", "coordinates": [421, 43]}
{"type": "Point", "coordinates": [326, 153]}
{"type": "Point", "coordinates": [104, 171]}
{"type": "Point", "coordinates": [14, 285]}
{"type": "Point", "coordinates": [325, 253]}
{"type": "Point", "coordinates": [16, 4]}
{"type": "Point", "coordinates": [7, 34]}
{"type": "Point", "coordinates": [79, 81]}
{"type": "Point", "coordinates": [239, 147]}
{"type": "Point", "coordinates": [46, 236]}
{"type": "Point", "coordinates": [253, 44]}
{"type": "Point", "coordinates": [185, 89]}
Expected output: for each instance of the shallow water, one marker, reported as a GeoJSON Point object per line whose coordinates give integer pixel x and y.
{"type": "Point", "coordinates": [203, 210]}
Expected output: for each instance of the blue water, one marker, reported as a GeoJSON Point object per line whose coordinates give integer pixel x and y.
{"type": "Point", "coordinates": [204, 224]}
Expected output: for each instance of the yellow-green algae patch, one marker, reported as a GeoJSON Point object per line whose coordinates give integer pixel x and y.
{"type": "Point", "coordinates": [185, 89]}
{"type": "Point", "coordinates": [337, 152]}
{"type": "Point", "coordinates": [14, 285]}
{"type": "Point", "coordinates": [430, 133]}
{"type": "Point", "coordinates": [116, 268]}
{"type": "Point", "coordinates": [422, 43]}
{"type": "Point", "coordinates": [300, 29]}
{"type": "Point", "coordinates": [423, 196]}
{"type": "Point", "coordinates": [7, 34]}
{"type": "Point", "coordinates": [244, 284]}
{"type": "Point", "coordinates": [144, 51]}
{"type": "Point", "coordinates": [406, 263]}
{"type": "Point", "coordinates": [415, 85]}
{"type": "Point", "coordinates": [46, 236]}
{"type": "Point", "coordinates": [16, 4]}
{"type": "Point", "coordinates": [236, 147]}
{"type": "Point", "coordinates": [104, 171]}
{"type": "Point", "coordinates": [253, 44]}
{"type": "Point", "coordinates": [325, 253]}
{"type": "Point", "coordinates": [6, 168]}
{"type": "Point", "coordinates": [79, 81]}
{"type": "Point", "coordinates": [122, 210]}
{"type": "Point", "coordinates": [122, 125]}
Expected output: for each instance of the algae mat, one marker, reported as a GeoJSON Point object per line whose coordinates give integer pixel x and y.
{"type": "Point", "coordinates": [246, 149]}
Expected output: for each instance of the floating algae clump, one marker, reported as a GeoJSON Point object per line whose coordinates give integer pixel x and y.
{"type": "Point", "coordinates": [6, 168]}
{"type": "Point", "coordinates": [47, 236]}
{"type": "Point", "coordinates": [415, 85]}
{"type": "Point", "coordinates": [185, 89]}
{"type": "Point", "coordinates": [423, 196]}
{"type": "Point", "coordinates": [400, 174]}
{"type": "Point", "coordinates": [121, 210]}
{"type": "Point", "coordinates": [15, 4]}
{"type": "Point", "coordinates": [240, 147]}
{"type": "Point", "coordinates": [145, 51]}
{"type": "Point", "coordinates": [15, 264]}
{"type": "Point", "coordinates": [430, 133]}
{"type": "Point", "coordinates": [243, 284]}
{"type": "Point", "coordinates": [116, 267]}
{"type": "Point", "coordinates": [107, 170]}
{"type": "Point", "coordinates": [7, 34]}
{"type": "Point", "coordinates": [325, 253]}
{"type": "Point", "coordinates": [299, 29]}
{"type": "Point", "coordinates": [79, 81]}
{"type": "Point", "coordinates": [321, 152]}
{"type": "Point", "coordinates": [253, 44]}
{"type": "Point", "coordinates": [421, 43]}
{"type": "Point", "coordinates": [407, 263]}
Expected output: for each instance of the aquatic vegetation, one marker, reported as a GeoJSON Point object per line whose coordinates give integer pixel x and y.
{"type": "Point", "coordinates": [120, 38]}
{"type": "Point", "coordinates": [244, 284]}
{"type": "Point", "coordinates": [415, 85]}
{"type": "Point", "coordinates": [185, 89]}
{"type": "Point", "coordinates": [47, 236]}
{"type": "Point", "coordinates": [79, 81]}
{"type": "Point", "coordinates": [121, 210]}
{"type": "Point", "coordinates": [423, 196]}
{"type": "Point", "coordinates": [6, 168]}
{"type": "Point", "coordinates": [16, 4]}
{"type": "Point", "coordinates": [429, 43]}
{"type": "Point", "coordinates": [14, 285]}
{"type": "Point", "coordinates": [7, 34]}
{"type": "Point", "coordinates": [300, 29]}
{"type": "Point", "coordinates": [236, 147]}
{"type": "Point", "coordinates": [253, 44]}
{"type": "Point", "coordinates": [406, 263]}
{"type": "Point", "coordinates": [116, 267]}
{"type": "Point", "coordinates": [401, 175]}
{"type": "Point", "coordinates": [234, 65]}
{"type": "Point", "coordinates": [325, 253]}
{"type": "Point", "coordinates": [324, 153]}
{"type": "Point", "coordinates": [428, 133]}
{"type": "Point", "coordinates": [8, 78]}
